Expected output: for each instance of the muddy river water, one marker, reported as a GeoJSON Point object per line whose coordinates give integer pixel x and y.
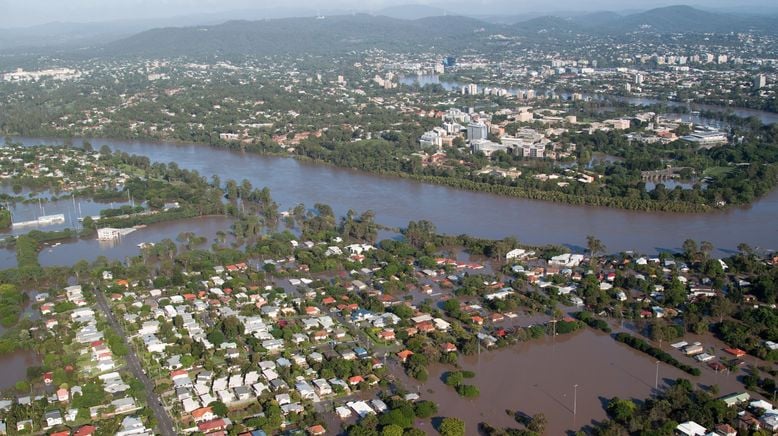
{"type": "Point", "coordinates": [397, 201]}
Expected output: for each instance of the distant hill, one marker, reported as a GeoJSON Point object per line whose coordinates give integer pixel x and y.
{"type": "Point", "coordinates": [546, 24]}
{"type": "Point", "coordinates": [596, 19]}
{"type": "Point", "coordinates": [411, 12]}
{"type": "Point", "coordinates": [344, 33]}
{"type": "Point", "coordinates": [680, 19]}
{"type": "Point", "coordinates": [671, 19]}
{"type": "Point", "coordinates": [508, 19]}
{"type": "Point", "coordinates": [338, 34]}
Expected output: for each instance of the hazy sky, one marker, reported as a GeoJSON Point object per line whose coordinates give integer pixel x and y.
{"type": "Point", "coordinates": [18, 13]}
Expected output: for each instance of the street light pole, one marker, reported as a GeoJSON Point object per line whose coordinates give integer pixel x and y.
{"type": "Point", "coordinates": [575, 399]}
{"type": "Point", "coordinates": [656, 378]}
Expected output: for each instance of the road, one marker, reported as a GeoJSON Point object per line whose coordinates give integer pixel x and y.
{"type": "Point", "coordinates": [164, 422]}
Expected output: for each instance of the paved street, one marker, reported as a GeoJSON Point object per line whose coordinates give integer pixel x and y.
{"type": "Point", "coordinates": [164, 423]}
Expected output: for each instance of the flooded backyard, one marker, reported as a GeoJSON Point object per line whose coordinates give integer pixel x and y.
{"type": "Point", "coordinates": [540, 376]}
{"type": "Point", "coordinates": [14, 367]}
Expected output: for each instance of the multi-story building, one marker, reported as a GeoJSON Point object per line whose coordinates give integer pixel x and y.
{"type": "Point", "coordinates": [760, 81]}
{"type": "Point", "coordinates": [476, 131]}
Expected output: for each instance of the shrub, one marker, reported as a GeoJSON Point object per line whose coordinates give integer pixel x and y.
{"type": "Point", "coordinates": [468, 391]}
{"type": "Point", "coordinates": [425, 409]}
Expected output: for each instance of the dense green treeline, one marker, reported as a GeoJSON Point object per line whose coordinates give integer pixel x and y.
{"type": "Point", "coordinates": [749, 330]}
{"type": "Point", "coordinates": [11, 300]}
{"type": "Point", "coordinates": [665, 357]}
{"type": "Point", "coordinates": [5, 219]}
{"type": "Point", "coordinates": [680, 402]}
{"type": "Point", "coordinates": [27, 252]}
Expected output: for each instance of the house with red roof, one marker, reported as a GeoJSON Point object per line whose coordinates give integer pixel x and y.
{"type": "Point", "coordinates": [426, 326]}
{"type": "Point", "coordinates": [63, 394]}
{"type": "Point", "coordinates": [85, 430]}
{"type": "Point", "coordinates": [448, 347]}
{"type": "Point", "coordinates": [213, 425]}
{"type": "Point", "coordinates": [737, 352]}
{"type": "Point", "coordinates": [404, 355]}
{"type": "Point", "coordinates": [388, 300]}
{"type": "Point", "coordinates": [386, 335]}
{"type": "Point", "coordinates": [179, 373]}
{"type": "Point", "coordinates": [316, 430]}
{"type": "Point", "coordinates": [203, 414]}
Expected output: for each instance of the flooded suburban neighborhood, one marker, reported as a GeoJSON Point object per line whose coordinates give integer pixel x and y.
{"type": "Point", "coordinates": [494, 218]}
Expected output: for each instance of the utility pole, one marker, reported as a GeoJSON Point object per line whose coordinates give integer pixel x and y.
{"type": "Point", "coordinates": [656, 377]}
{"type": "Point", "coordinates": [575, 398]}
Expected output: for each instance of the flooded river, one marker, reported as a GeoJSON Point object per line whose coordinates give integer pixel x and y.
{"type": "Point", "coordinates": [396, 201]}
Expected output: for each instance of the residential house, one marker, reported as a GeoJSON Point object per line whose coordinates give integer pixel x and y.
{"type": "Point", "coordinates": [52, 418]}
{"type": "Point", "coordinates": [203, 414]}
{"type": "Point", "coordinates": [691, 428]}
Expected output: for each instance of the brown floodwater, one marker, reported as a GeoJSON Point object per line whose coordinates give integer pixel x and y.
{"type": "Point", "coordinates": [540, 377]}
{"type": "Point", "coordinates": [14, 367]}
{"type": "Point", "coordinates": [397, 201]}
{"type": "Point", "coordinates": [90, 249]}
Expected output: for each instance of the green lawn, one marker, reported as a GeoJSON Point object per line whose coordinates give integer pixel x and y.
{"type": "Point", "coordinates": [717, 171]}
